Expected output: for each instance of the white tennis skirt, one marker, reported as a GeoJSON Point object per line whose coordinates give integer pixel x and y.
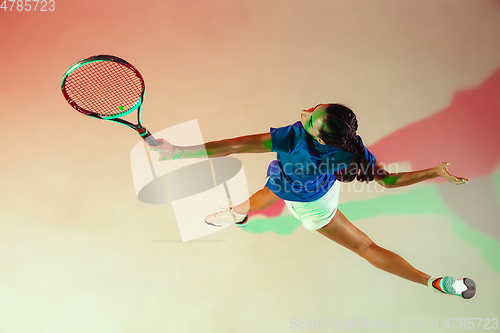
{"type": "Point", "coordinates": [316, 214]}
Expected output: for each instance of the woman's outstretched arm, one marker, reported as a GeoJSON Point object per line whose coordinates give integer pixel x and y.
{"type": "Point", "coordinates": [257, 143]}
{"type": "Point", "coordinates": [392, 180]}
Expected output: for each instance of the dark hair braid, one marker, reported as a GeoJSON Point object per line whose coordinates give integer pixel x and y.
{"type": "Point", "coordinates": [339, 130]}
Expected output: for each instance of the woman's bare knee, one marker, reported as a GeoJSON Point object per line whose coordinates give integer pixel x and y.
{"type": "Point", "coordinates": [363, 246]}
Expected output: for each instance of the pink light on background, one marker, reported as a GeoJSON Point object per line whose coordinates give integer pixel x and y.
{"type": "Point", "coordinates": [80, 253]}
{"type": "Point", "coordinates": [466, 134]}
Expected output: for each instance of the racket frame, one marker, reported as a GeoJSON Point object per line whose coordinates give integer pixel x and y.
{"type": "Point", "coordinates": [143, 132]}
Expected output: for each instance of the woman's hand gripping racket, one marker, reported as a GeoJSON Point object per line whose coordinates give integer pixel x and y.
{"type": "Point", "coordinates": [106, 87]}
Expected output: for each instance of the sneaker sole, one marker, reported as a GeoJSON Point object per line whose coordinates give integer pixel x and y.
{"type": "Point", "coordinates": [243, 223]}
{"type": "Point", "coordinates": [239, 224]}
{"type": "Point", "coordinates": [471, 289]}
{"type": "Point", "coordinates": [213, 225]}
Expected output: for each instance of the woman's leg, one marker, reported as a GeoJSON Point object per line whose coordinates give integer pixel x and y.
{"type": "Point", "coordinates": [260, 200]}
{"type": "Point", "coordinates": [343, 232]}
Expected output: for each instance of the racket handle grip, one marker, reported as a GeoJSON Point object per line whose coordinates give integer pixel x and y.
{"type": "Point", "coordinates": [150, 140]}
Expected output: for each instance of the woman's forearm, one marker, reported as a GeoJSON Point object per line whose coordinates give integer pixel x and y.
{"type": "Point", "coordinates": [393, 180]}
{"type": "Point", "coordinates": [257, 143]}
{"type": "Point", "coordinates": [212, 149]}
{"type": "Point", "coordinates": [407, 178]}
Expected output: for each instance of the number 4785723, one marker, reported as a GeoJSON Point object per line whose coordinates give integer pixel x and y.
{"type": "Point", "coordinates": [28, 5]}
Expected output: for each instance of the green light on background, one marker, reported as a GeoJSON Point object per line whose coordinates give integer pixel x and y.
{"type": "Point", "coordinates": [121, 108]}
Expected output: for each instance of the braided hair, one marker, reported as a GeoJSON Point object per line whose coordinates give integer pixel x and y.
{"type": "Point", "coordinates": [339, 130]}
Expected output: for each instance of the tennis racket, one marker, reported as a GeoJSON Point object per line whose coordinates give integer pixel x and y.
{"type": "Point", "coordinates": [106, 87]}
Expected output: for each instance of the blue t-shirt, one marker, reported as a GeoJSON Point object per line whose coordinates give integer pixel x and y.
{"type": "Point", "coordinates": [303, 170]}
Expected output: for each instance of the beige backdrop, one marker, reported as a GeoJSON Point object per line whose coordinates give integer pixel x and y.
{"type": "Point", "coordinates": [80, 253]}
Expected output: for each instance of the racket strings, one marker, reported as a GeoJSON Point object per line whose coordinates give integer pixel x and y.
{"type": "Point", "coordinates": [104, 87]}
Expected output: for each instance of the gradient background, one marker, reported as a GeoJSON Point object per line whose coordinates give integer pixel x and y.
{"type": "Point", "coordinates": [80, 253]}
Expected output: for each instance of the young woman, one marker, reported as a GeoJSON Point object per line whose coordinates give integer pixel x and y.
{"type": "Point", "coordinates": [312, 156]}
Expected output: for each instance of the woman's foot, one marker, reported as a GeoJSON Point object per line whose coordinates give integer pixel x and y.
{"type": "Point", "coordinates": [226, 217]}
{"type": "Point", "coordinates": [442, 171]}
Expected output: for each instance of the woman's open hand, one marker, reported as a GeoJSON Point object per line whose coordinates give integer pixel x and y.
{"type": "Point", "coordinates": [442, 171]}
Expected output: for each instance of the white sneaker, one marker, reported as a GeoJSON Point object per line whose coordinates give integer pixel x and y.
{"type": "Point", "coordinates": [225, 217]}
